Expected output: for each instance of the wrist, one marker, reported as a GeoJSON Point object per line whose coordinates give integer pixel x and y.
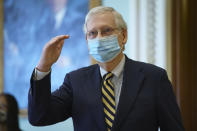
{"type": "Point", "coordinates": [43, 68]}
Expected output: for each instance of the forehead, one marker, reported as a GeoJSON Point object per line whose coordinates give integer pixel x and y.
{"type": "Point", "coordinates": [101, 20]}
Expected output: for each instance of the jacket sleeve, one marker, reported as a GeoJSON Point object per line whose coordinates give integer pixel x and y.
{"type": "Point", "coordinates": [167, 108]}
{"type": "Point", "coordinates": [46, 108]}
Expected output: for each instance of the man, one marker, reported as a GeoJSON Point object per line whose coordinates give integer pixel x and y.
{"type": "Point", "coordinates": [116, 94]}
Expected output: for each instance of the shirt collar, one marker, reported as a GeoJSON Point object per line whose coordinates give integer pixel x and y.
{"type": "Point", "coordinates": [117, 70]}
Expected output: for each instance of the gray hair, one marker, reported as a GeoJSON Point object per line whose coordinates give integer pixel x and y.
{"type": "Point", "coordinates": [120, 23]}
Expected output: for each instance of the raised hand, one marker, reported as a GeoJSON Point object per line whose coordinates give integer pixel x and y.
{"type": "Point", "coordinates": [51, 53]}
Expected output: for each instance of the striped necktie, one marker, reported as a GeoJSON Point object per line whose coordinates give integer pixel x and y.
{"type": "Point", "coordinates": [108, 99]}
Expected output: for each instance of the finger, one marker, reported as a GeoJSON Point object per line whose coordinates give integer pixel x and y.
{"type": "Point", "coordinates": [56, 40]}
{"type": "Point", "coordinates": [61, 37]}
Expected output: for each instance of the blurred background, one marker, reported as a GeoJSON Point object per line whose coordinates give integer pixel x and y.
{"type": "Point", "coordinates": [161, 32]}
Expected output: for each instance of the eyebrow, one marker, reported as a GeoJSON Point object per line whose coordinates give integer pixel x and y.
{"type": "Point", "coordinates": [101, 28]}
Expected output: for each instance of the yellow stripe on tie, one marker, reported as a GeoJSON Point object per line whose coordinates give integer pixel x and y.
{"type": "Point", "coordinates": [109, 106]}
{"type": "Point", "coordinates": [110, 83]}
{"type": "Point", "coordinates": [108, 88]}
{"type": "Point", "coordinates": [108, 122]}
{"type": "Point", "coordinates": [108, 97]}
{"type": "Point", "coordinates": [108, 114]}
{"type": "Point", "coordinates": [108, 75]}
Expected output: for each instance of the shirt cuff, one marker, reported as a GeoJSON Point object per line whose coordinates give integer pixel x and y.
{"type": "Point", "coordinates": [38, 75]}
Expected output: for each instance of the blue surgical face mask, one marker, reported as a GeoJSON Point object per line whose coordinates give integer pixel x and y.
{"type": "Point", "coordinates": [104, 49]}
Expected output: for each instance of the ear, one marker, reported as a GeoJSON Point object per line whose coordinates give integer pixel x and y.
{"type": "Point", "coordinates": [124, 36]}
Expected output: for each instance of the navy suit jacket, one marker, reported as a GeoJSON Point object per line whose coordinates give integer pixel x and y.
{"type": "Point", "coordinates": [146, 101]}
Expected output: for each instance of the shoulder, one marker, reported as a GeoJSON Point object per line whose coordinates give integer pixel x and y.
{"type": "Point", "coordinates": [145, 68]}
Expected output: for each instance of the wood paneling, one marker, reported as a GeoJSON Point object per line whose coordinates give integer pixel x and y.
{"type": "Point", "coordinates": [184, 59]}
{"type": "Point", "coordinates": [94, 3]}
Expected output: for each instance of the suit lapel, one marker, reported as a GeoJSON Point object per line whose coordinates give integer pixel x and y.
{"type": "Point", "coordinates": [132, 80]}
{"type": "Point", "coordinates": [94, 87]}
